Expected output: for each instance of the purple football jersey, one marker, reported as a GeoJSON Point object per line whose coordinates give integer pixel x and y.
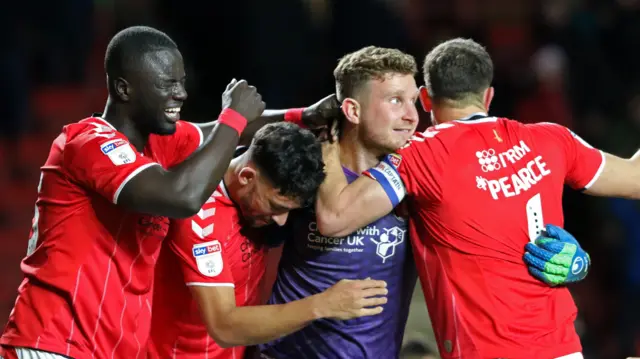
{"type": "Point", "coordinates": [312, 263]}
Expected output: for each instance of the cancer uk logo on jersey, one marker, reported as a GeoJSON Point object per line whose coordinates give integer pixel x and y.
{"type": "Point", "coordinates": [488, 160]}
{"type": "Point", "coordinates": [208, 258]}
{"type": "Point", "coordinates": [386, 246]}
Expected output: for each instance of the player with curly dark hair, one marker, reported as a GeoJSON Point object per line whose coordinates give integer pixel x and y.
{"type": "Point", "coordinates": [208, 280]}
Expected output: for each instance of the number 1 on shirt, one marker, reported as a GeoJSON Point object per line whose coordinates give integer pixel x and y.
{"type": "Point", "coordinates": [535, 221]}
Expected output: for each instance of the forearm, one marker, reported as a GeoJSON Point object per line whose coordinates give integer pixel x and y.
{"type": "Point", "coordinates": [253, 325]}
{"type": "Point", "coordinates": [268, 116]}
{"type": "Point", "coordinates": [334, 194]}
{"type": "Point", "coordinates": [342, 207]}
{"type": "Point", "coordinates": [619, 178]}
{"type": "Point", "coordinates": [196, 178]}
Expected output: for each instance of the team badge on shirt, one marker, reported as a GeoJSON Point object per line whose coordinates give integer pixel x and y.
{"type": "Point", "coordinates": [208, 258]}
{"type": "Point", "coordinates": [119, 151]}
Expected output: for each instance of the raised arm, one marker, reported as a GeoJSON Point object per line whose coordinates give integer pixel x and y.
{"type": "Point", "coordinates": [181, 191]}
{"type": "Point", "coordinates": [230, 325]}
{"type": "Point", "coordinates": [314, 117]}
{"type": "Point", "coordinates": [342, 208]}
{"type": "Point", "coordinates": [619, 178]}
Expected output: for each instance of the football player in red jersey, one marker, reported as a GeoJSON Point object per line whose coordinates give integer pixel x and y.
{"type": "Point", "coordinates": [480, 188]}
{"type": "Point", "coordinates": [106, 191]}
{"type": "Point", "coordinates": [208, 279]}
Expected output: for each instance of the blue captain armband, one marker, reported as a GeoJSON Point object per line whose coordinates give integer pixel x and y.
{"type": "Point", "coordinates": [386, 173]}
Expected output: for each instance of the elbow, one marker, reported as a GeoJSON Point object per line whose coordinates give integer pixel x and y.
{"type": "Point", "coordinates": [329, 225]}
{"type": "Point", "coordinates": [223, 344]}
{"type": "Point", "coordinates": [186, 206]}
{"type": "Point", "coordinates": [223, 337]}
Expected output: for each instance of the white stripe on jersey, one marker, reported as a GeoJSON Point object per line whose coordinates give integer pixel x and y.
{"type": "Point", "coordinates": [598, 172]}
{"type": "Point", "coordinates": [28, 353]}
{"type": "Point", "coordinates": [572, 356]}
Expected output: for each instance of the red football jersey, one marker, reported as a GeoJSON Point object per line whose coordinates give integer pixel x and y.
{"type": "Point", "coordinates": [90, 264]}
{"type": "Point", "coordinates": [480, 189]}
{"type": "Point", "coordinates": [205, 250]}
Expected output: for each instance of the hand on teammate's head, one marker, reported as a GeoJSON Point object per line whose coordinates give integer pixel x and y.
{"type": "Point", "coordinates": [322, 113]}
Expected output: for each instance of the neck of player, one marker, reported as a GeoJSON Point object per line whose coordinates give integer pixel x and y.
{"type": "Point", "coordinates": [230, 178]}
{"type": "Point", "coordinates": [444, 114]}
{"type": "Point", "coordinates": [354, 154]}
{"type": "Point", "coordinates": [120, 119]}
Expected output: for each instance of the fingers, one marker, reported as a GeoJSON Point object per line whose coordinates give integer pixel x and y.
{"type": "Point", "coordinates": [239, 84]}
{"type": "Point", "coordinates": [533, 261]}
{"type": "Point", "coordinates": [373, 302]}
{"type": "Point", "coordinates": [559, 234]}
{"type": "Point", "coordinates": [231, 84]}
{"type": "Point", "coordinates": [555, 246]}
{"type": "Point", "coordinates": [551, 280]}
{"type": "Point", "coordinates": [333, 132]}
{"type": "Point", "coordinates": [547, 267]}
{"type": "Point", "coordinates": [372, 292]}
{"type": "Point", "coordinates": [551, 230]}
{"type": "Point", "coordinates": [366, 312]}
{"type": "Point", "coordinates": [544, 260]}
{"type": "Point", "coordinates": [369, 283]}
{"type": "Point", "coordinates": [541, 253]}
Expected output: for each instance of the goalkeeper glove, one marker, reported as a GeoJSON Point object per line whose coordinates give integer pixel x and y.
{"type": "Point", "coordinates": [556, 258]}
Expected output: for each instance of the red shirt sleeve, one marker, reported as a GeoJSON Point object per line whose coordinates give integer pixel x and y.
{"type": "Point", "coordinates": [103, 160]}
{"type": "Point", "coordinates": [584, 164]}
{"type": "Point", "coordinates": [200, 249]}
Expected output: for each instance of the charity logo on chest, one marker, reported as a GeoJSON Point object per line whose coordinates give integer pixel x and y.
{"type": "Point", "coordinates": [385, 239]}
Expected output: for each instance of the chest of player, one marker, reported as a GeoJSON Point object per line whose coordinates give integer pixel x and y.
{"type": "Point", "coordinates": [243, 252]}
{"type": "Point", "coordinates": [380, 244]}
{"type": "Point", "coordinates": [139, 234]}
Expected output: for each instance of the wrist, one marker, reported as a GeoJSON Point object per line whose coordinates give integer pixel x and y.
{"type": "Point", "coordinates": [233, 119]}
{"type": "Point", "coordinates": [318, 306]}
{"type": "Point", "coordinates": [295, 115]}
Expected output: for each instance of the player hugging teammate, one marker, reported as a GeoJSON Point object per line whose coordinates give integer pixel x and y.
{"type": "Point", "coordinates": [135, 185]}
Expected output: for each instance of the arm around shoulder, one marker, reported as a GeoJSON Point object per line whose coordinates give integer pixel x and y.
{"type": "Point", "coordinates": [230, 325]}
{"type": "Point", "coordinates": [342, 208]}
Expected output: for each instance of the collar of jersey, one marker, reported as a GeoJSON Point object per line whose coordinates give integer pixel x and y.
{"type": "Point", "coordinates": [223, 189]}
{"type": "Point", "coordinates": [478, 117]}
{"type": "Point", "coordinates": [98, 116]}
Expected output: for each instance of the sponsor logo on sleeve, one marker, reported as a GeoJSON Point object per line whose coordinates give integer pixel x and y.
{"type": "Point", "coordinates": [208, 257]}
{"type": "Point", "coordinates": [119, 151]}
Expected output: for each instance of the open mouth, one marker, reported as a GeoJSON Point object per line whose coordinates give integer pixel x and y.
{"type": "Point", "coordinates": [173, 113]}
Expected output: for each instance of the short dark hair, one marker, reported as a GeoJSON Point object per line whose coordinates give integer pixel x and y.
{"type": "Point", "coordinates": [127, 47]}
{"type": "Point", "coordinates": [458, 71]}
{"type": "Point", "coordinates": [370, 63]}
{"type": "Point", "coordinates": [291, 158]}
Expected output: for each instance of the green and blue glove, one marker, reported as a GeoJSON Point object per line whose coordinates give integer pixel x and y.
{"type": "Point", "coordinates": [556, 257]}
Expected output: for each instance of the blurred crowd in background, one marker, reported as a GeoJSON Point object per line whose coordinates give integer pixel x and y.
{"type": "Point", "coordinates": [573, 62]}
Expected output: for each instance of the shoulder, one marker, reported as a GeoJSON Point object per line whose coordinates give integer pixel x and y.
{"type": "Point", "coordinates": [92, 137]}
{"type": "Point", "coordinates": [88, 129]}
{"type": "Point", "coordinates": [434, 141]}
